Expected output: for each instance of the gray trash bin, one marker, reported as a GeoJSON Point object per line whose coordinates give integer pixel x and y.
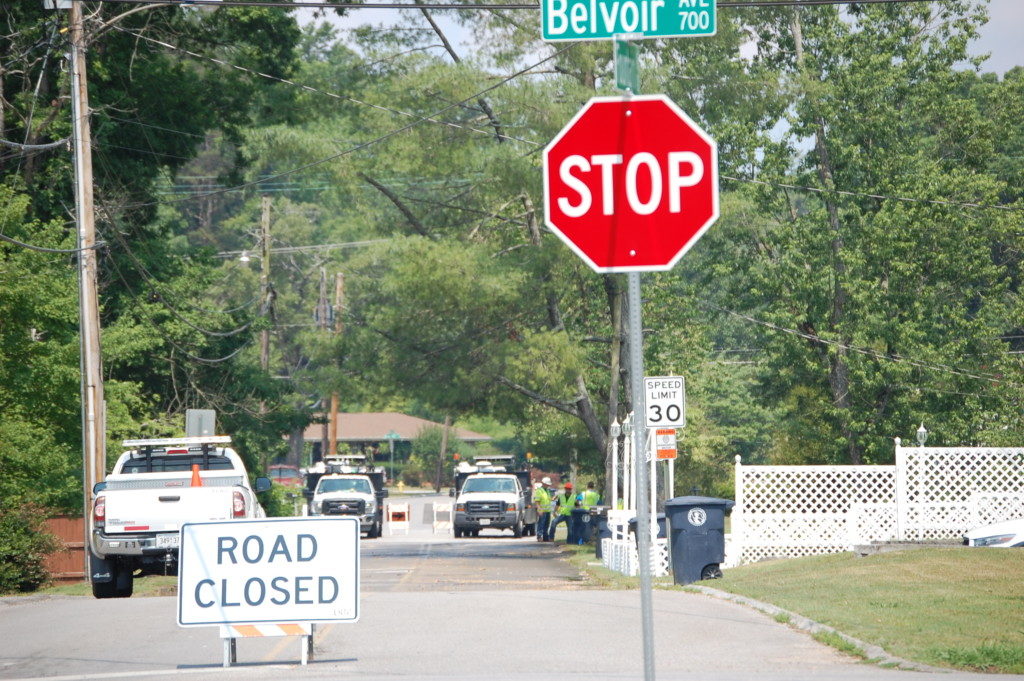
{"type": "Point", "coordinates": [697, 537]}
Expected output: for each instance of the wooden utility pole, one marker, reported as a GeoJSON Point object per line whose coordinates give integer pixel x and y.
{"type": "Point", "coordinates": [444, 450]}
{"type": "Point", "coordinates": [94, 451]}
{"type": "Point", "coordinates": [339, 303]}
{"type": "Point", "coordinates": [321, 320]}
{"type": "Point", "coordinates": [265, 280]}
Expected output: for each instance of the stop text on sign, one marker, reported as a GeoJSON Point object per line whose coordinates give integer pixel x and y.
{"type": "Point", "coordinates": [664, 180]}
{"type": "Point", "coordinates": [281, 570]}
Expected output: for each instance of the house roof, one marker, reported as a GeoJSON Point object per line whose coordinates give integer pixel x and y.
{"type": "Point", "coordinates": [374, 427]}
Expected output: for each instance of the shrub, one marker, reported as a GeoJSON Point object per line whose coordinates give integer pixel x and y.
{"type": "Point", "coordinates": [281, 501]}
{"type": "Point", "coordinates": [24, 544]}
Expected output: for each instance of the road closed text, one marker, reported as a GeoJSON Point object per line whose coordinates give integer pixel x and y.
{"type": "Point", "coordinates": [282, 570]}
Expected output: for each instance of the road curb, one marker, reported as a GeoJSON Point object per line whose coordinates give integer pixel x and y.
{"type": "Point", "coordinates": [871, 652]}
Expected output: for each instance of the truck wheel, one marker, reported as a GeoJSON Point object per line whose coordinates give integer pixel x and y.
{"type": "Point", "coordinates": [458, 533]}
{"type": "Point", "coordinates": [517, 529]}
{"type": "Point", "coordinates": [121, 585]}
{"type": "Point", "coordinates": [104, 589]}
{"type": "Point", "coordinates": [476, 533]}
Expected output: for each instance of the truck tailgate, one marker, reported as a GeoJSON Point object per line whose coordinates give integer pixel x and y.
{"type": "Point", "coordinates": [165, 510]}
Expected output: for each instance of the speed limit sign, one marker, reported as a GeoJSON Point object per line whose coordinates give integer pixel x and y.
{"type": "Point", "coordinates": [665, 401]}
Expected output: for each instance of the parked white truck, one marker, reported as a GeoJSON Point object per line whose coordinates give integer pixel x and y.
{"type": "Point", "coordinates": [157, 486]}
{"type": "Point", "coordinates": [491, 500]}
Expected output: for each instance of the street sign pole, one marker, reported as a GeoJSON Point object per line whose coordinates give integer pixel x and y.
{"type": "Point", "coordinates": [640, 449]}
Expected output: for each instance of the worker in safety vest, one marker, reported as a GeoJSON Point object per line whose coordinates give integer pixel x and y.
{"type": "Point", "coordinates": [564, 503]}
{"type": "Point", "coordinates": [542, 500]}
{"type": "Point", "coordinates": [590, 498]}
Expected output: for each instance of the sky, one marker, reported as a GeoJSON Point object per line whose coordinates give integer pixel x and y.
{"type": "Point", "coordinates": [1002, 36]}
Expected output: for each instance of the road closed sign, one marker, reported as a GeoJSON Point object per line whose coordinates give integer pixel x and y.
{"type": "Point", "coordinates": [270, 570]}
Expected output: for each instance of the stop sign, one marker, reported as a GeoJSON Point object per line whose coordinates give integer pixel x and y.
{"type": "Point", "coordinates": [630, 183]}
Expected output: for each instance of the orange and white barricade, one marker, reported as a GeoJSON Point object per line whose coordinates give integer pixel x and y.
{"type": "Point", "coordinates": [232, 632]}
{"type": "Point", "coordinates": [398, 518]}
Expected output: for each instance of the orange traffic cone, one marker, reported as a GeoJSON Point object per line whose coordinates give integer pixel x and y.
{"type": "Point", "coordinates": [196, 480]}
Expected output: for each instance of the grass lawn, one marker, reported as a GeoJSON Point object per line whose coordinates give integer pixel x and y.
{"type": "Point", "coordinates": [955, 607]}
{"type": "Point", "coordinates": [150, 585]}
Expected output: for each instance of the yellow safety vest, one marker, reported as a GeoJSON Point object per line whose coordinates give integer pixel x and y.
{"type": "Point", "coordinates": [542, 498]}
{"type": "Point", "coordinates": [590, 498]}
{"type": "Point", "coordinates": [566, 502]}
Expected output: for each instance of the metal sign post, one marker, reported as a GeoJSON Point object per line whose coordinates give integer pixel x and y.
{"type": "Point", "coordinates": [640, 449]}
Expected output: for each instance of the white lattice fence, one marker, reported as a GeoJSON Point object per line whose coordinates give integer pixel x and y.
{"type": "Point", "coordinates": [791, 511]}
{"type": "Point", "coordinates": [931, 493]}
{"type": "Point", "coordinates": [945, 491]}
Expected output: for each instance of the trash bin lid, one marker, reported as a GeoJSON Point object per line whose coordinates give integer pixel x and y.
{"type": "Point", "coordinates": [727, 504]}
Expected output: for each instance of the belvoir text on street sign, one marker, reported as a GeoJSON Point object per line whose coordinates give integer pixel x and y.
{"type": "Point", "coordinates": [602, 19]}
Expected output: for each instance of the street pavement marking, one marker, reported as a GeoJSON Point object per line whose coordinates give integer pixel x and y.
{"type": "Point", "coordinates": [217, 668]}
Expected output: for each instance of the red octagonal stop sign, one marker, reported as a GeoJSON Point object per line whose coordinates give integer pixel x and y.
{"type": "Point", "coordinates": [630, 183]}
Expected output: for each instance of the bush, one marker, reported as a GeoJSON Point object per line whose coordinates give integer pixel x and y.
{"type": "Point", "coordinates": [281, 501]}
{"type": "Point", "coordinates": [24, 545]}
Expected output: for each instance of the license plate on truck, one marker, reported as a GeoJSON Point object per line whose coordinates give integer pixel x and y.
{"type": "Point", "coordinates": [485, 521]}
{"type": "Point", "coordinates": [167, 541]}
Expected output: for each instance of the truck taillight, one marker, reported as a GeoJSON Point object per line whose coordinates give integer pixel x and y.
{"type": "Point", "coordinates": [238, 506]}
{"type": "Point", "coordinates": [510, 508]}
{"type": "Point", "coordinates": [99, 510]}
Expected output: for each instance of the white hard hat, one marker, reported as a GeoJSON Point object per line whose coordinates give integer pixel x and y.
{"type": "Point", "coordinates": [546, 481]}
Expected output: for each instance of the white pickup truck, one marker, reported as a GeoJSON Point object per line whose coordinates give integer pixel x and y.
{"type": "Point", "coordinates": [156, 487]}
{"type": "Point", "coordinates": [490, 500]}
{"type": "Point", "coordinates": [352, 494]}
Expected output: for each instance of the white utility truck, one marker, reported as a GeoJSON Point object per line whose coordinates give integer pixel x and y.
{"type": "Point", "coordinates": [347, 485]}
{"type": "Point", "coordinates": [157, 486]}
{"type": "Point", "coordinates": [489, 495]}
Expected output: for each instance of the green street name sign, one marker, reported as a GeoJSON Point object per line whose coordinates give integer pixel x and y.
{"type": "Point", "coordinates": [602, 19]}
{"type": "Point", "coordinates": [627, 72]}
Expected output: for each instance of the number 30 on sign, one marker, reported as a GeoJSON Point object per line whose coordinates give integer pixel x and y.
{"type": "Point", "coordinates": [665, 403]}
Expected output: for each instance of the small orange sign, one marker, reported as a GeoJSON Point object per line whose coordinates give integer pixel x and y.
{"type": "Point", "coordinates": [665, 443]}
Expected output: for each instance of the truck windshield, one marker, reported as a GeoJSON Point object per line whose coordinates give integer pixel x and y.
{"type": "Point", "coordinates": [166, 463]}
{"type": "Point", "coordinates": [490, 485]}
{"type": "Point", "coordinates": [345, 485]}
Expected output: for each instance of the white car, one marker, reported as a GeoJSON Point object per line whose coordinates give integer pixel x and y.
{"type": "Point", "coordinates": [1007, 534]}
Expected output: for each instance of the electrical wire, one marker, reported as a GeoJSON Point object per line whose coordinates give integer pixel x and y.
{"type": "Point", "coordinates": [334, 95]}
{"type": "Point", "coordinates": [98, 244]}
{"type": "Point", "coordinates": [484, 6]}
{"type": "Point", "coordinates": [945, 368]}
{"type": "Point", "coordinates": [362, 145]}
{"type": "Point", "coordinates": [204, 360]}
{"type": "Point", "coordinates": [883, 197]}
{"type": "Point", "coordinates": [148, 278]}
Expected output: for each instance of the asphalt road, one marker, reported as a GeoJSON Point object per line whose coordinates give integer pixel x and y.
{"type": "Point", "coordinates": [436, 608]}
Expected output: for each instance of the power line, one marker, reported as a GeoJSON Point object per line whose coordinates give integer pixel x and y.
{"type": "Point", "coordinates": [883, 197]}
{"type": "Point", "coordinates": [371, 142]}
{"type": "Point", "coordinates": [991, 378]}
{"type": "Point", "coordinates": [98, 244]}
{"type": "Point", "coordinates": [487, 6]}
{"type": "Point", "coordinates": [301, 249]}
{"type": "Point", "coordinates": [149, 280]}
{"type": "Point", "coordinates": [147, 315]}
{"type": "Point", "coordinates": [308, 88]}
